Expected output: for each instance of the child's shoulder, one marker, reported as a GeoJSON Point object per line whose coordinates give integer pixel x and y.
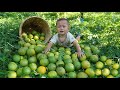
{"type": "Point", "coordinates": [69, 33]}
{"type": "Point", "coordinates": [55, 35]}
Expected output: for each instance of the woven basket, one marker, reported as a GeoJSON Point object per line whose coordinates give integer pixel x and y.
{"type": "Point", "coordinates": [35, 23]}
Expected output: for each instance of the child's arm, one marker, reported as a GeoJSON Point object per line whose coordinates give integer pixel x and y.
{"type": "Point", "coordinates": [48, 47]}
{"type": "Point", "coordinates": [75, 43]}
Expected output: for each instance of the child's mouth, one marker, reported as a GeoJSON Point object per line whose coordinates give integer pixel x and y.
{"type": "Point", "coordinates": [61, 31]}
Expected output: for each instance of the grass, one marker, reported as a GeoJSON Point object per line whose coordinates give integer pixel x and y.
{"type": "Point", "coordinates": [102, 26]}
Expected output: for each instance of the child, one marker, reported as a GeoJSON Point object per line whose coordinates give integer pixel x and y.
{"type": "Point", "coordinates": [64, 37]}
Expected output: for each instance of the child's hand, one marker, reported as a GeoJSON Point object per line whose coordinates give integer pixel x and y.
{"type": "Point", "coordinates": [80, 53]}
{"type": "Point", "coordinates": [45, 51]}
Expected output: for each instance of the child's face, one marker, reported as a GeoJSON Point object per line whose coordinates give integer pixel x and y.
{"type": "Point", "coordinates": [62, 27]}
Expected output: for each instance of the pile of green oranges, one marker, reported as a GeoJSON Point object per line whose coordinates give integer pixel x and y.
{"type": "Point", "coordinates": [59, 62]}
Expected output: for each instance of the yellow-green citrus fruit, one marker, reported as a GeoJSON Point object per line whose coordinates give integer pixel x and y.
{"type": "Point", "coordinates": [82, 75]}
{"type": "Point", "coordinates": [103, 58]}
{"type": "Point", "coordinates": [94, 58]}
{"type": "Point", "coordinates": [44, 62]}
{"type": "Point", "coordinates": [24, 35]}
{"type": "Point", "coordinates": [60, 71]}
{"type": "Point", "coordinates": [50, 55]}
{"type": "Point", "coordinates": [30, 52]}
{"type": "Point", "coordinates": [109, 62]}
{"type": "Point", "coordinates": [34, 32]}
{"type": "Point", "coordinates": [12, 66]}
{"type": "Point", "coordinates": [32, 46]}
{"type": "Point", "coordinates": [52, 74]}
{"type": "Point", "coordinates": [99, 65]}
{"type": "Point", "coordinates": [22, 51]}
{"type": "Point", "coordinates": [74, 55]}
{"type": "Point", "coordinates": [33, 66]}
{"type": "Point", "coordinates": [26, 76]}
{"type": "Point", "coordinates": [32, 41]}
{"type": "Point", "coordinates": [67, 52]}
{"type": "Point", "coordinates": [12, 74]}
{"type": "Point", "coordinates": [110, 76]}
{"type": "Point", "coordinates": [38, 49]}
{"type": "Point", "coordinates": [67, 61]}
{"type": "Point", "coordinates": [98, 72]}
{"type": "Point", "coordinates": [19, 72]}
{"type": "Point", "coordinates": [30, 36]}
{"type": "Point", "coordinates": [87, 48]}
{"type": "Point", "coordinates": [21, 43]}
{"type": "Point", "coordinates": [51, 67]}
{"type": "Point", "coordinates": [115, 66]}
{"type": "Point", "coordinates": [24, 62]}
{"type": "Point", "coordinates": [90, 72]}
{"type": "Point", "coordinates": [16, 58]}
{"type": "Point", "coordinates": [32, 59]}
{"type": "Point", "coordinates": [69, 67]}
{"type": "Point", "coordinates": [36, 37]}
{"type": "Point", "coordinates": [27, 44]}
{"type": "Point", "coordinates": [105, 72]}
{"type": "Point", "coordinates": [27, 39]}
{"type": "Point", "coordinates": [88, 54]}
{"type": "Point", "coordinates": [83, 57]}
{"type": "Point", "coordinates": [26, 70]}
{"type": "Point", "coordinates": [41, 69]}
{"type": "Point", "coordinates": [85, 64]}
{"type": "Point", "coordinates": [77, 65]}
{"type": "Point", "coordinates": [72, 75]}
{"type": "Point", "coordinates": [60, 63]}
{"type": "Point", "coordinates": [42, 38]}
{"type": "Point", "coordinates": [52, 59]}
{"type": "Point", "coordinates": [114, 72]}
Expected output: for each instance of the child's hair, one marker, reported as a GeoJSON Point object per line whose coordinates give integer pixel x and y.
{"type": "Point", "coordinates": [60, 19]}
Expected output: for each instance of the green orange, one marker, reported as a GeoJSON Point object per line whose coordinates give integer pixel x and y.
{"type": "Point", "coordinates": [69, 67]}
{"type": "Point", "coordinates": [12, 66]}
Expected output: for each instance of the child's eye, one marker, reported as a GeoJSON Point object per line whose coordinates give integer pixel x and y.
{"type": "Point", "coordinates": [61, 26]}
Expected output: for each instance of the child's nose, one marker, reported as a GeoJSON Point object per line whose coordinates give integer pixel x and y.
{"type": "Point", "coordinates": [61, 27]}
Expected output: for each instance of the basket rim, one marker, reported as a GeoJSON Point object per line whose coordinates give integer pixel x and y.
{"type": "Point", "coordinates": [30, 17]}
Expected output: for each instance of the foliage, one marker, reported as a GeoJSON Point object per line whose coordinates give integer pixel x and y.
{"type": "Point", "coordinates": [99, 28]}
